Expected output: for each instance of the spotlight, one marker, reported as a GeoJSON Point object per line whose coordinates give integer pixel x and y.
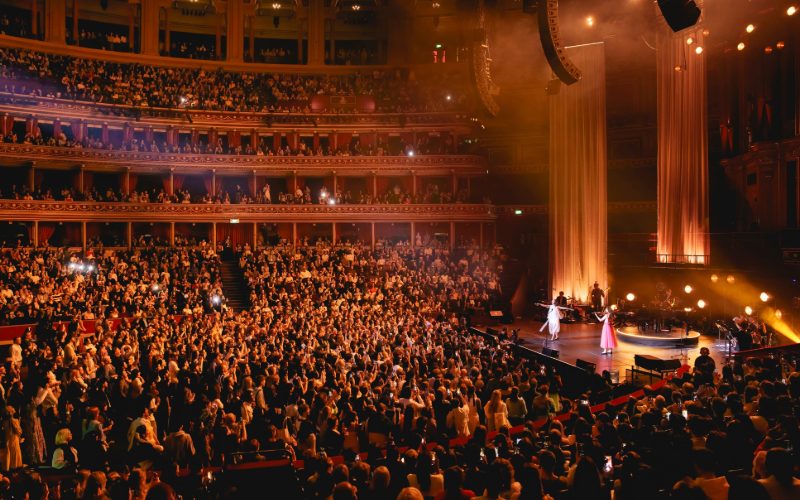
{"type": "Point", "coordinates": [750, 28]}
{"type": "Point", "coordinates": [748, 310]}
{"type": "Point", "coordinates": [778, 313]}
{"type": "Point", "coordinates": [764, 296]}
{"type": "Point", "coordinates": [741, 46]}
{"type": "Point", "coordinates": [731, 279]}
{"type": "Point", "coordinates": [678, 68]}
{"type": "Point", "coordinates": [687, 309]}
{"type": "Point", "coordinates": [768, 50]}
{"type": "Point", "coordinates": [780, 45]}
{"type": "Point", "coordinates": [701, 304]}
{"type": "Point", "coordinates": [688, 289]}
{"type": "Point", "coordinates": [791, 10]}
{"type": "Point", "coordinates": [630, 297]}
{"type": "Point", "coordinates": [518, 212]}
{"type": "Point", "coordinates": [590, 21]}
{"type": "Point", "coordinates": [698, 50]}
{"type": "Point", "coordinates": [613, 307]}
{"type": "Point", "coordinates": [411, 153]}
{"type": "Point", "coordinates": [331, 201]}
{"type": "Point", "coordinates": [706, 32]}
{"type": "Point", "coordinates": [689, 41]}
{"type": "Point", "coordinates": [449, 97]}
{"type": "Point", "coordinates": [714, 278]}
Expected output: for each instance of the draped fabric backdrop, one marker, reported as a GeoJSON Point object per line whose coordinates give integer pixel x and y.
{"type": "Point", "coordinates": [682, 148]}
{"type": "Point", "coordinates": [578, 172]}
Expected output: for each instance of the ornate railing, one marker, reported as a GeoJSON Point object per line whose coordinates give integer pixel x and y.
{"type": "Point", "coordinates": [79, 211]}
{"type": "Point", "coordinates": [383, 165]}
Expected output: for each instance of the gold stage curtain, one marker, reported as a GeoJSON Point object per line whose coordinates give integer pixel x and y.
{"type": "Point", "coordinates": [682, 147]}
{"type": "Point", "coordinates": [578, 173]}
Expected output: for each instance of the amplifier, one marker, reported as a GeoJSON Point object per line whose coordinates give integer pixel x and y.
{"type": "Point", "coordinates": [553, 353]}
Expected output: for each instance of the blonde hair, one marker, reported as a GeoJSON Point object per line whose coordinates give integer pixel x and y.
{"type": "Point", "coordinates": [63, 436]}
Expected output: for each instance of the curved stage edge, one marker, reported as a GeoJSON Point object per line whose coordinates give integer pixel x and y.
{"type": "Point", "coordinates": [674, 338]}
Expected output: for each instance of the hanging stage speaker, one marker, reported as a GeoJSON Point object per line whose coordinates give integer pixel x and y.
{"type": "Point", "coordinates": [679, 14]}
{"type": "Point", "coordinates": [550, 38]}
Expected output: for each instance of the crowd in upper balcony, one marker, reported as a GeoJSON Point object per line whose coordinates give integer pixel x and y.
{"type": "Point", "coordinates": [35, 73]}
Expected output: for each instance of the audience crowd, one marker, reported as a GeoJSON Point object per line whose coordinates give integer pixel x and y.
{"type": "Point", "coordinates": [40, 74]}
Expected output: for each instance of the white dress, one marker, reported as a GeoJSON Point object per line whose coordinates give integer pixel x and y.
{"type": "Point", "coordinates": [553, 321]}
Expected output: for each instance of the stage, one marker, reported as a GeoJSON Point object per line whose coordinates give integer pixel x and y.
{"type": "Point", "coordinates": [582, 341]}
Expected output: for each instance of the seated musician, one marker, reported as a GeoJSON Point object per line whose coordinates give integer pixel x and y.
{"type": "Point", "coordinates": [561, 300]}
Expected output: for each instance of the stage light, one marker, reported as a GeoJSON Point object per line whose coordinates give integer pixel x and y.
{"type": "Point", "coordinates": [215, 300]}
{"type": "Point", "coordinates": [332, 201]}
{"type": "Point", "coordinates": [89, 268]}
{"type": "Point", "coordinates": [411, 153]}
{"type": "Point", "coordinates": [613, 307]}
{"type": "Point", "coordinates": [155, 287]}
{"type": "Point", "coordinates": [791, 10]}
{"type": "Point", "coordinates": [701, 304]}
{"type": "Point", "coordinates": [323, 195]}
{"type": "Point", "coordinates": [778, 313]}
{"type": "Point", "coordinates": [748, 310]}
{"type": "Point", "coordinates": [741, 46]}
{"type": "Point", "coordinates": [590, 21]}
{"type": "Point", "coordinates": [714, 278]}
{"type": "Point", "coordinates": [731, 279]}
{"type": "Point", "coordinates": [687, 309]}
{"type": "Point", "coordinates": [780, 45]}
{"type": "Point", "coordinates": [706, 32]}
{"type": "Point", "coordinates": [234, 221]}
{"type": "Point", "coordinates": [688, 289]}
{"type": "Point", "coordinates": [768, 50]}
{"type": "Point", "coordinates": [678, 68]}
{"type": "Point", "coordinates": [698, 50]}
{"type": "Point", "coordinates": [750, 28]}
{"type": "Point", "coordinates": [518, 212]}
{"type": "Point", "coordinates": [689, 41]}
{"type": "Point", "coordinates": [630, 297]}
{"type": "Point", "coordinates": [764, 296]}
{"type": "Point", "coordinates": [449, 97]}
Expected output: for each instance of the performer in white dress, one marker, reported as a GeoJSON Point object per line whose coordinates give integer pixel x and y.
{"type": "Point", "coordinates": [553, 322]}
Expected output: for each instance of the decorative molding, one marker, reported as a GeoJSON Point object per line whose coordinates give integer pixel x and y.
{"type": "Point", "coordinates": [616, 207]}
{"type": "Point", "coordinates": [30, 210]}
{"type": "Point", "coordinates": [183, 162]}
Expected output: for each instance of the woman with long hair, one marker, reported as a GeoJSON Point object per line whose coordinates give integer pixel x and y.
{"type": "Point", "coordinates": [608, 335]}
{"type": "Point", "coordinates": [496, 412]}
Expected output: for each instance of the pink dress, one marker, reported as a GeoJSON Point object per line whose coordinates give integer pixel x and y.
{"type": "Point", "coordinates": [608, 336]}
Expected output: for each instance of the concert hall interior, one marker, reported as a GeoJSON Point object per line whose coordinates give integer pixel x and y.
{"type": "Point", "coordinates": [412, 249]}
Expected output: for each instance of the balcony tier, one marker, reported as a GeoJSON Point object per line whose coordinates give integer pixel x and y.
{"type": "Point", "coordinates": [142, 161]}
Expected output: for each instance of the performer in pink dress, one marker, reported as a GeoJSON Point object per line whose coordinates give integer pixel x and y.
{"type": "Point", "coordinates": [608, 336]}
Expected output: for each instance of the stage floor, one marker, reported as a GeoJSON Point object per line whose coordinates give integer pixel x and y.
{"type": "Point", "coordinates": [582, 341]}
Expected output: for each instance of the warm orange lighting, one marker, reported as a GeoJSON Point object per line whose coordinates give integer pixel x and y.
{"type": "Point", "coordinates": [590, 21]}
{"type": "Point", "coordinates": [748, 310]}
{"type": "Point", "coordinates": [701, 304]}
{"type": "Point", "coordinates": [714, 278]}
{"type": "Point", "coordinates": [791, 10]}
{"type": "Point", "coordinates": [750, 28]}
{"type": "Point", "coordinates": [706, 32]}
{"type": "Point", "coordinates": [689, 41]}
{"type": "Point", "coordinates": [731, 279]}
{"type": "Point", "coordinates": [768, 50]}
{"type": "Point", "coordinates": [688, 289]}
{"type": "Point", "coordinates": [698, 50]}
{"type": "Point", "coordinates": [613, 307]}
{"type": "Point", "coordinates": [678, 68]}
{"type": "Point", "coordinates": [780, 45]}
{"type": "Point", "coordinates": [630, 297]}
{"type": "Point", "coordinates": [741, 46]}
{"type": "Point", "coordinates": [778, 313]}
{"type": "Point", "coordinates": [764, 296]}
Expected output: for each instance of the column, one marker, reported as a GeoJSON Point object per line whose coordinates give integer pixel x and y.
{"type": "Point", "coordinates": [294, 234]}
{"type": "Point", "coordinates": [55, 20]}
{"type": "Point", "coordinates": [374, 185]}
{"type": "Point", "coordinates": [251, 38]}
{"type": "Point", "coordinates": [81, 179]}
{"type": "Point", "coordinates": [172, 182]}
{"type": "Point", "coordinates": [294, 182]}
{"type": "Point", "coordinates": [214, 236]}
{"type": "Point", "coordinates": [214, 182]}
{"type": "Point", "coordinates": [316, 32]}
{"type": "Point", "coordinates": [35, 18]}
{"type": "Point", "coordinates": [413, 234]}
{"type": "Point", "coordinates": [131, 26]}
{"type": "Point", "coordinates": [126, 182]}
{"type": "Point", "coordinates": [218, 37]}
{"type": "Point", "coordinates": [172, 234]}
{"type": "Point", "coordinates": [75, 34]}
{"type": "Point", "coordinates": [333, 232]}
{"type": "Point", "coordinates": [334, 183]}
{"type": "Point", "coordinates": [413, 184]}
{"type": "Point", "coordinates": [129, 234]}
{"type": "Point", "coordinates": [454, 180]}
{"type": "Point", "coordinates": [32, 177]}
{"type": "Point", "coordinates": [254, 185]}
{"type": "Point", "coordinates": [234, 30]}
{"type": "Point", "coordinates": [83, 235]}
{"type": "Point", "coordinates": [255, 235]}
{"type": "Point", "coordinates": [372, 235]}
{"type": "Point", "coordinates": [167, 41]}
{"type": "Point", "coordinates": [452, 235]}
{"type": "Point", "coordinates": [35, 242]}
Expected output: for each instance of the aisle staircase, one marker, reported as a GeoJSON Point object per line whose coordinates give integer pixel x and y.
{"type": "Point", "coordinates": [234, 285]}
